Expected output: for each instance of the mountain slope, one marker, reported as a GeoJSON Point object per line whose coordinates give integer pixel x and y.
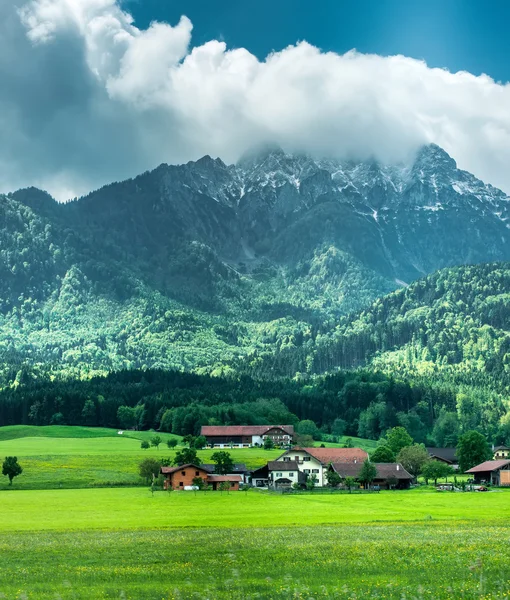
{"type": "Point", "coordinates": [254, 265]}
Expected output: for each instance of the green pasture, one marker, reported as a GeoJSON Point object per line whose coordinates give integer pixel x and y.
{"type": "Point", "coordinates": [127, 543]}
{"type": "Point", "coordinates": [137, 508]}
{"type": "Point", "coordinates": [59, 456]}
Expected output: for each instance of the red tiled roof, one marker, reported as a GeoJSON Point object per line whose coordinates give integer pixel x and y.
{"type": "Point", "coordinates": [219, 478]}
{"type": "Point", "coordinates": [242, 429]}
{"type": "Point", "coordinates": [489, 465]}
{"type": "Point", "coordinates": [342, 455]}
{"type": "Point", "coordinates": [170, 470]}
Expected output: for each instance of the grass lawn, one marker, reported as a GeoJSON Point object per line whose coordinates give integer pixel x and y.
{"type": "Point", "coordinates": [126, 543]}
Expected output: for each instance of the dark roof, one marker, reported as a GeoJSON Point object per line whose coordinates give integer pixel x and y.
{"type": "Point", "coordinates": [501, 448]}
{"type": "Point", "coordinates": [170, 470]}
{"type": "Point", "coordinates": [327, 455]}
{"type": "Point", "coordinates": [384, 470]}
{"type": "Point", "coordinates": [237, 468]}
{"type": "Point", "coordinates": [219, 478]}
{"type": "Point", "coordinates": [446, 454]}
{"type": "Point", "coordinates": [260, 473]}
{"type": "Point", "coordinates": [223, 430]}
{"type": "Point", "coordinates": [489, 465]}
{"type": "Point", "coordinates": [282, 465]}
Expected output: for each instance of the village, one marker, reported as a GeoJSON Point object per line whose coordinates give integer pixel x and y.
{"type": "Point", "coordinates": [307, 468]}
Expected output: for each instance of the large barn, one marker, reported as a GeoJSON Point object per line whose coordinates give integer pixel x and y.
{"type": "Point", "coordinates": [245, 436]}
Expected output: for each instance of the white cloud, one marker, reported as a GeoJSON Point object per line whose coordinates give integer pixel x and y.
{"type": "Point", "coordinates": [87, 97]}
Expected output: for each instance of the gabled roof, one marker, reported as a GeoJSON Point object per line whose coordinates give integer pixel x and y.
{"type": "Point", "coordinates": [327, 455]}
{"type": "Point", "coordinates": [282, 465]}
{"type": "Point", "coordinates": [260, 473]}
{"type": "Point", "coordinates": [170, 470]}
{"type": "Point", "coordinates": [489, 465]}
{"type": "Point", "coordinates": [446, 454]}
{"type": "Point", "coordinates": [236, 468]}
{"type": "Point", "coordinates": [384, 470]}
{"type": "Point", "coordinates": [219, 478]}
{"type": "Point", "coordinates": [497, 448]}
{"type": "Point", "coordinates": [225, 430]}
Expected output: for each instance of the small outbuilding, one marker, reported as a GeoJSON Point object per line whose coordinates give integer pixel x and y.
{"type": "Point", "coordinates": [495, 472]}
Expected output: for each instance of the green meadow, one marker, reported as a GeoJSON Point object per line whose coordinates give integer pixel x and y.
{"type": "Point", "coordinates": [129, 543]}
{"type": "Point", "coordinates": [58, 456]}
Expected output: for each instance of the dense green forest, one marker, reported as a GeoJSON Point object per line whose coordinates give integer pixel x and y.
{"type": "Point", "coordinates": [352, 403]}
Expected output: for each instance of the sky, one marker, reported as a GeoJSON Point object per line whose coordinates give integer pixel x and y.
{"type": "Point", "coordinates": [94, 91]}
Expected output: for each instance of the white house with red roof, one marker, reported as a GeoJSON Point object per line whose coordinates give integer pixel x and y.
{"type": "Point", "coordinates": [316, 461]}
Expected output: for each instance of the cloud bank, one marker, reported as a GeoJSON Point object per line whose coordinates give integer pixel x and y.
{"type": "Point", "coordinates": [87, 98]}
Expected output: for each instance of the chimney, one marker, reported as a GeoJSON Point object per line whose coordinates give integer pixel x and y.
{"type": "Point", "coordinates": [398, 467]}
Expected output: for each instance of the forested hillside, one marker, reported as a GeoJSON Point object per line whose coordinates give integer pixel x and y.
{"type": "Point", "coordinates": [350, 403]}
{"type": "Point", "coordinates": [278, 267]}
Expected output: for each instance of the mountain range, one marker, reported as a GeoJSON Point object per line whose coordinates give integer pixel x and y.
{"type": "Point", "coordinates": [266, 266]}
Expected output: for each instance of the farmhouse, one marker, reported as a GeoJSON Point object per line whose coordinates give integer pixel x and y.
{"type": "Point", "coordinates": [495, 472]}
{"type": "Point", "coordinates": [501, 452]}
{"type": "Point", "coordinates": [315, 461]}
{"type": "Point", "coordinates": [180, 478]}
{"type": "Point", "coordinates": [282, 474]}
{"type": "Point", "coordinates": [245, 436]}
{"type": "Point", "coordinates": [445, 455]}
{"type": "Point", "coordinates": [389, 475]}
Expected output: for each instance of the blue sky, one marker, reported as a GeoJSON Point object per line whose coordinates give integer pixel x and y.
{"type": "Point", "coordinates": [466, 35]}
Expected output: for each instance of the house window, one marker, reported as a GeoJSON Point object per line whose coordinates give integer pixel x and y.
{"type": "Point", "coordinates": [306, 471]}
{"type": "Point", "coordinates": [286, 459]}
{"type": "Point", "coordinates": [296, 458]}
{"type": "Point", "coordinates": [183, 472]}
{"type": "Point", "coordinates": [291, 474]}
{"type": "Point", "coordinates": [307, 458]}
{"type": "Point", "coordinates": [315, 470]}
{"type": "Point", "coordinates": [278, 475]}
{"type": "Point", "coordinates": [197, 474]}
{"type": "Point", "coordinates": [233, 484]}
{"type": "Point", "coordinates": [181, 484]}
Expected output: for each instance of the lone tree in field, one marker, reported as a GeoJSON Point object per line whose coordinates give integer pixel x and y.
{"type": "Point", "coordinates": [149, 468]}
{"type": "Point", "coordinates": [186, 456]}
{"type": "Point", "coordinates": [171, 443]}
{"type": "Point", "coordinates": [156, 441]}
{"type": "Point", "coordinates": [223, 461]}
{"type": "Point", "coordinates": [472, 450]}
{"type": "Point", "coordinates": [368, 473]}
{"type": "Point", "coordinates": [11, 468]}
{"type": "Point", "coordinates": [144, 445]}
{"type": "Point", "coordinates": [200, 442]}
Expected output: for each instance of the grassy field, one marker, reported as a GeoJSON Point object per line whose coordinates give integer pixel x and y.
{"type": "Point", "coordinates": [126, 543]}
{"type": "Point", "coordinates": [76, 457]}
